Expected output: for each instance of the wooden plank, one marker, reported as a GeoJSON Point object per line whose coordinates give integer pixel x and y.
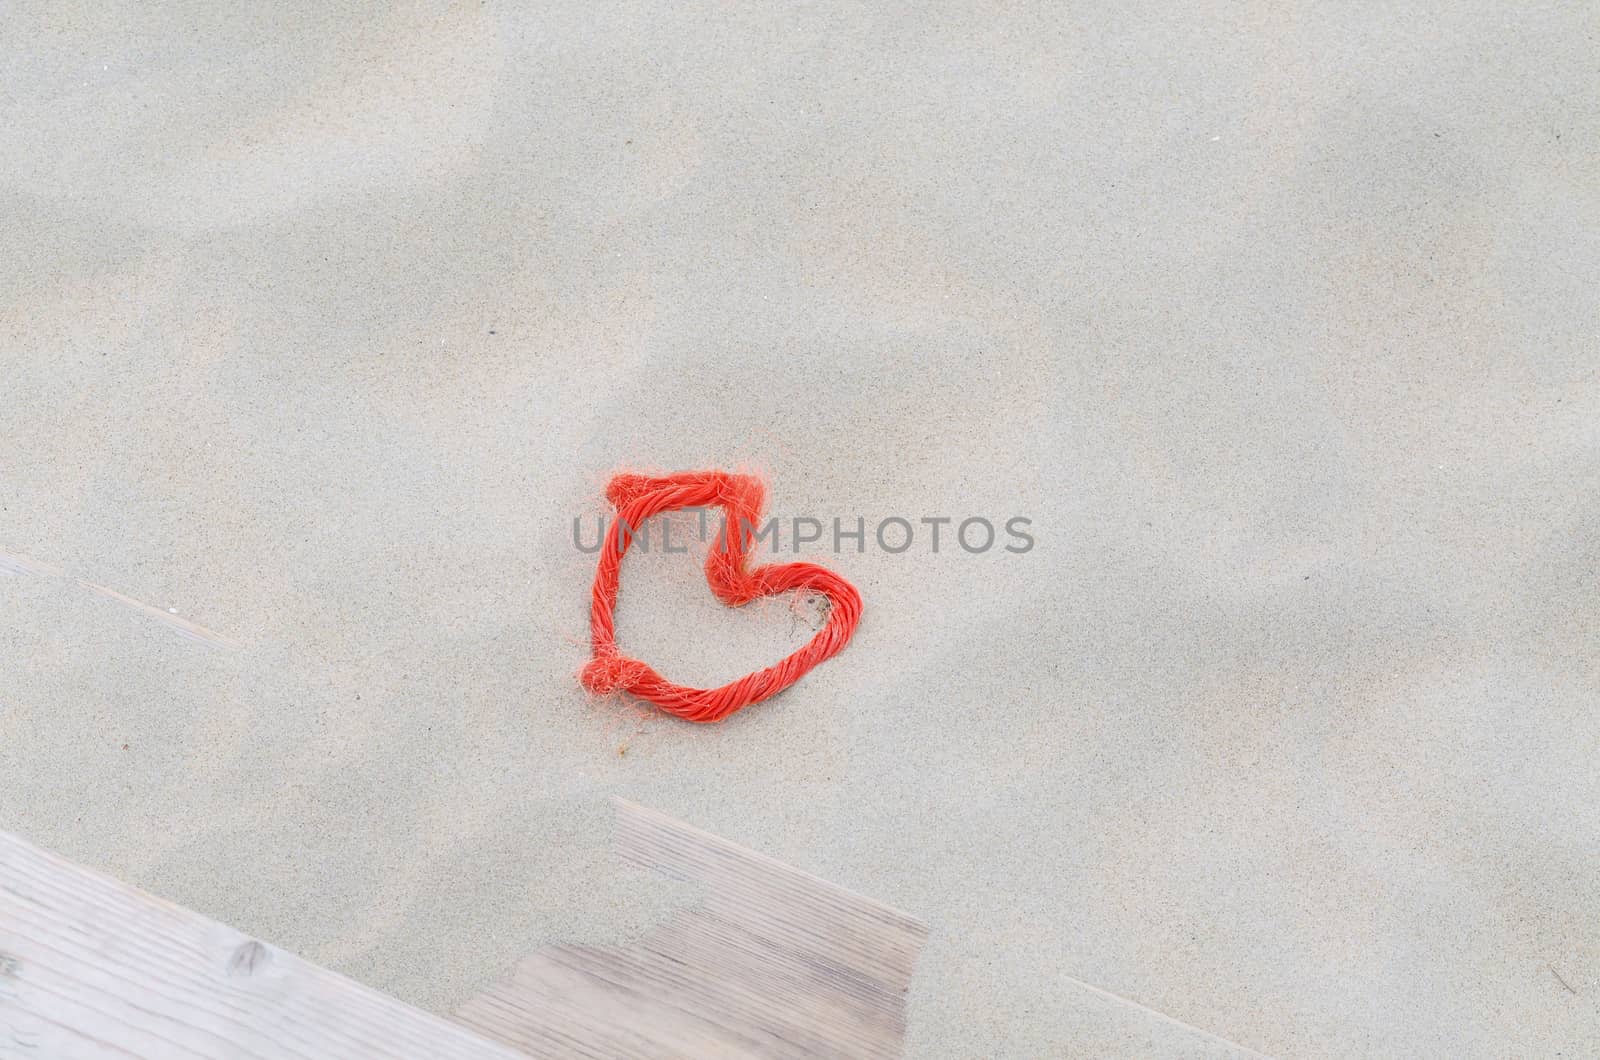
{"type": "Point", "coordinates": [773, 963]}
{"type": "Point", "coordinates": [92, 969]}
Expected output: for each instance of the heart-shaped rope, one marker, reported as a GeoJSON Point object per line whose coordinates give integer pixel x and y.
{"type": "Point", "coordinates": [637, 498]}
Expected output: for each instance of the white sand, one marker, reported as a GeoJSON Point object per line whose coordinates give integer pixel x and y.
{"type": "Point", "coordinates": [319, 328]}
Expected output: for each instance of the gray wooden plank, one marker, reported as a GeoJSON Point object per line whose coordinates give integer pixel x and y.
{"type": "Point", "coordinates": [92, 969]}
{"type": "Point", "coordinates": [773, 963]}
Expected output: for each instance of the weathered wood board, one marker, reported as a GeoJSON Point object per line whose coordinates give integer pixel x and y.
{"type": "Point", "coordinates": [773, 963]}
{"type": "Point", "coordinates": [91, 968]}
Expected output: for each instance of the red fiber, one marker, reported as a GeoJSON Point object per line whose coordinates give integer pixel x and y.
{"type": "Point", "coordinates": [637, 498]}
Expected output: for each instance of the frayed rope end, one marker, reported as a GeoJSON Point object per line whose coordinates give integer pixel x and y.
{"type": "Point", "coordinates": [608, 674]}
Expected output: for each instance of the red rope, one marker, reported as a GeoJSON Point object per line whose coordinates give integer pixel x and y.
{"type": "Point", "coordinates": [637, 498]}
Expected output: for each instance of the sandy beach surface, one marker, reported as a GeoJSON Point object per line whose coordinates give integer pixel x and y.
{"type": "Point", "coordinates": [320, 325]}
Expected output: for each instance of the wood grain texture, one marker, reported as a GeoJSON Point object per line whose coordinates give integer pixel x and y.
{"type": "Point", "coordinates": [773, 963]}
{"type": "Point", "coordinates": [91, 969]}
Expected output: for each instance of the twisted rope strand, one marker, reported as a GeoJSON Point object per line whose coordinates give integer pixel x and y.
{"type": "Point", "coordinates": [637, 498]}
